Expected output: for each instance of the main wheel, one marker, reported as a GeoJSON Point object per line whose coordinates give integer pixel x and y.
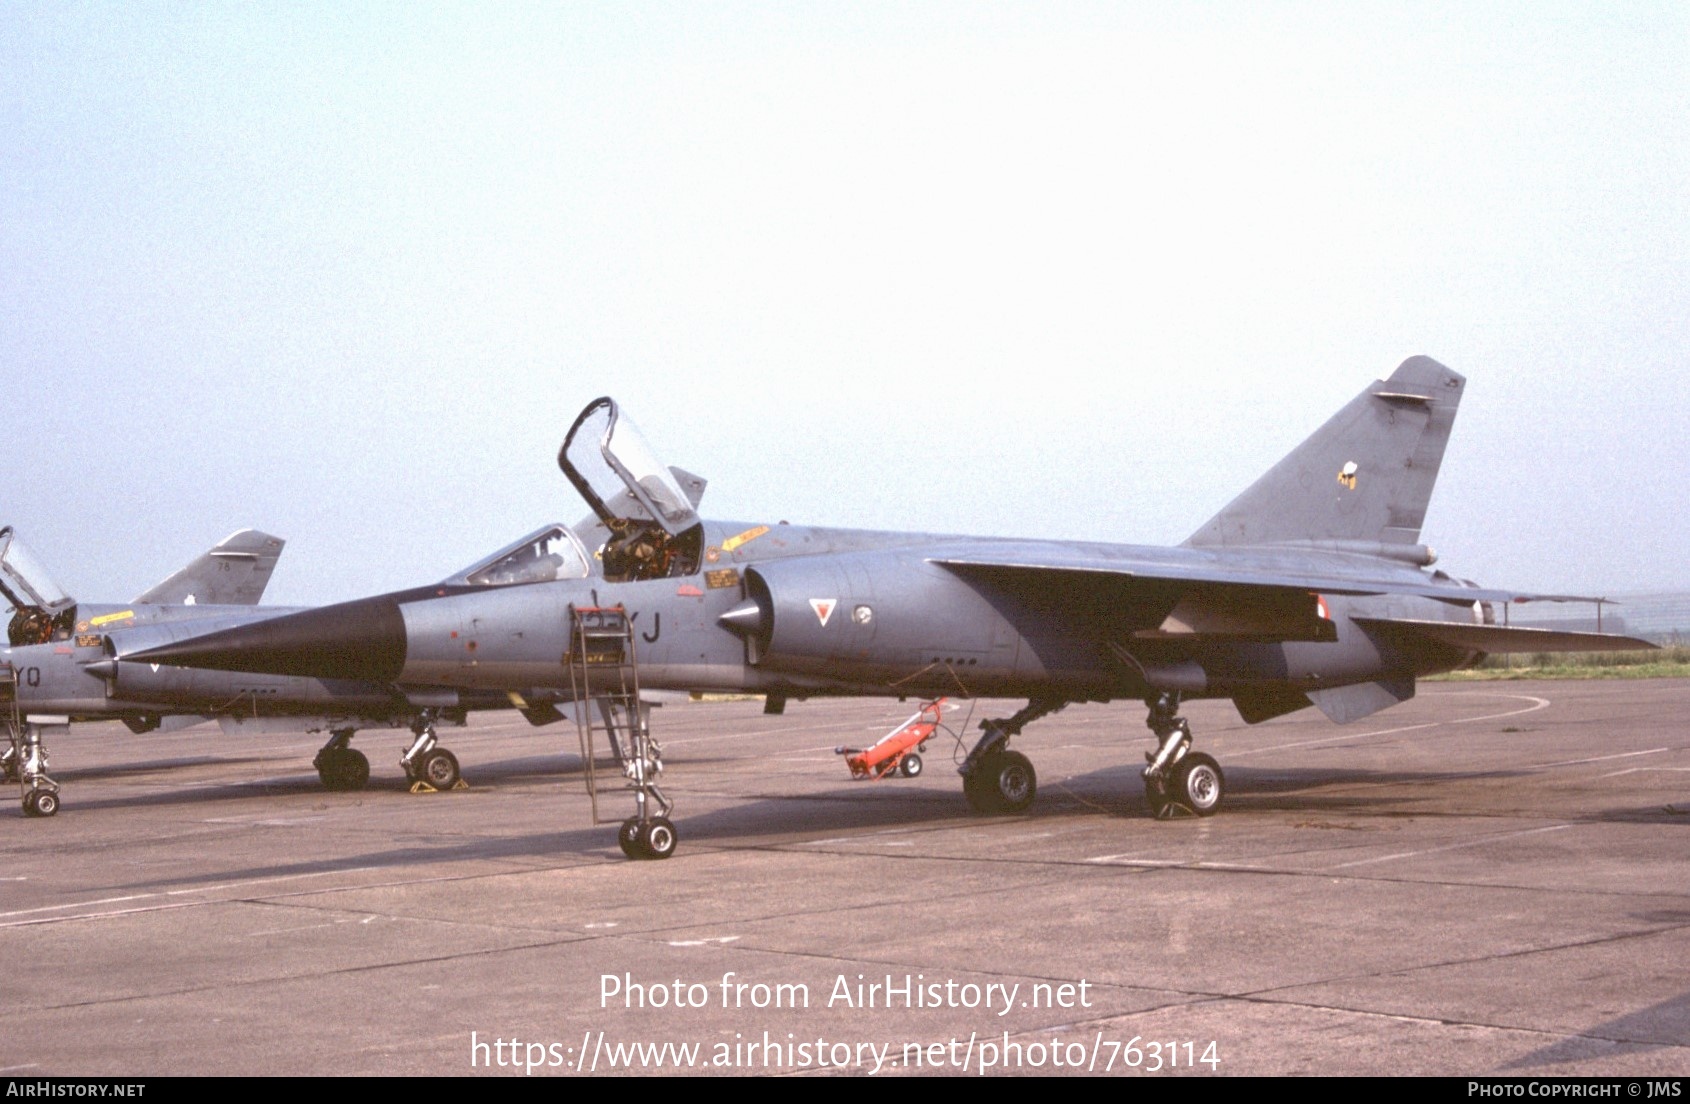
{"type": "Point", "coordinates": [911, 765]}
{"type": "Point", "coordinates": [46, 803]}
{"type": "Point", "coordinates": [660, 838]}
{"type": "Point", "coordinates": [1197, 783]}
{"type": "Point", "coordinates": [439, 769]}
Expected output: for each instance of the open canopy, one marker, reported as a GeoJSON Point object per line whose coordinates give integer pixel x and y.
{"type": "Point", "coordinates": [23, 579]}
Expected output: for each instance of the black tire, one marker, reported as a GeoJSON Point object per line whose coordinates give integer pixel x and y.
{"type": "Point", "coordinates": [1015, 782]}
{"type": "Point", "coordinates": [1197, 783]}
{"type": "Point", "coordinates": [328, 763]}
{"type": "Point", "coordinates": [911, 766]}
{"type": "Point", "coordinates": [628, 838]}
{"type": "Point", "coordinates": [439, 768]}
{"type": "Point", "coordinates": [1004, 782]}
{"type": "Point", "coordinates": [343, 769]}
{"type": "Point", "coordinates": [977, 788]}
{"type": "Point", "coordinates": [659, 838]}
{"type": "Point", "coordinates": [45, 805]}
{"type": "Point", "coordinates": [355, 770]}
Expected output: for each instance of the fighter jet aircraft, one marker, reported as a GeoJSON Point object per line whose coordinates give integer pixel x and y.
{"type": "Point", "coordinates": [41, 682]}
{"type": "Point", "coordinates": [1310, 588]}
{"type": "Point", "coordinates": [57, 667]}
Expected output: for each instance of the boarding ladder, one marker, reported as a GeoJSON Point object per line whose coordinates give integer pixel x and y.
{"type": "Point", "coordinates": [605, 686]}
{"type": "Point", "coordinates": [12, 718]}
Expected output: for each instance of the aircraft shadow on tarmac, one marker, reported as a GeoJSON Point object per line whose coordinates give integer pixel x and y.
{"type": "Point", "coordinates": [1660, 1025]}
{"type": "Point", "coordinates": [534, 768]}
{"type": "Point", "coordinates": [1116, 790]}
{"type": "Point", "coordinates": [773, 821]}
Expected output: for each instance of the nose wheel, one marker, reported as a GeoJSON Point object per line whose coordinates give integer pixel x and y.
{"type": "Point", "coordinates": [438, 768]}
{"type": "Point", "coordinates": [1004, 782]}
{"type": "Point", "coordinates": [425, 762]}
{"type": "Point", "coordinates": [995, 779]}
{"type": "Point", "coordinates": [341, 766]}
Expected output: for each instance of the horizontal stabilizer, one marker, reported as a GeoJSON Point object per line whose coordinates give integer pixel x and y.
{"type": "Point", "coordinates": [1505, 638]}
{"type": "Point", "coordinates": [1343, 704]}
{"type": "Point", "coordinates": [234, 573]}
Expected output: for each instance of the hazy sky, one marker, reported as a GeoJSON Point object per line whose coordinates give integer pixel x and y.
{"type": "Point", "coordinates": [346, 272]}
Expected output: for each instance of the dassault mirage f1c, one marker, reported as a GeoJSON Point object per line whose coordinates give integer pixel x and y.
{"type": "Point", "coordinates": [44, 682]}
{"type": "Point", "coordinates": [56, 668]}
{"type": "Point", "coordinates": [1309, 588]}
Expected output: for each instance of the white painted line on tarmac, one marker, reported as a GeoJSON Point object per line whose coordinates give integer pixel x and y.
{"type": "Point", "coordinates": [1449, 847]}
{"type": "Point", "coordinates": [79, 904]}
{"type": "Point", "coordinates": [1602, 758]}
{"type": "Point", "coordinates": [1537, 703]}
{"type": "Point", "coordinates": [1128, 860]}
{"type": "Point", "coordinates": [173, 893]}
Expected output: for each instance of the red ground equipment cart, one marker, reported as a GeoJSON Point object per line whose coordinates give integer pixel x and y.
{"type": "Point", "coordinates": [896, 751]}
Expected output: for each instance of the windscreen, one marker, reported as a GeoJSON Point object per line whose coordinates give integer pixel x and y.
{"type": "Point", "coordinates": [542, 556]}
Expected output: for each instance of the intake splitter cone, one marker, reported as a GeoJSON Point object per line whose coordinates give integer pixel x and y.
{"type": "Point", "coordinates": [364, 639]}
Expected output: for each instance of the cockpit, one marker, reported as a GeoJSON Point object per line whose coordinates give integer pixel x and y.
{"type": "Point", "coordinates": [41, 611]}
{"type": "Point", "coordinates": [654, 532]}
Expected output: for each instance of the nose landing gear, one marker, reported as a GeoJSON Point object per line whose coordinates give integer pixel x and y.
{"type": "Point", "coordinates": [341, 766]}
{"type": "Point", "coordinates": [425, 762]}
{"type": "Point", "coordinates": [995, 779]}
{"type": "Point", "coordinates": [25, 762]}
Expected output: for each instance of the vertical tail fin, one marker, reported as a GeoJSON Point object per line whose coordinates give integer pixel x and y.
{"type": "Point", "coordinates": [234, 573]}
{"type": "Point", "coordinates": [1364, 476]}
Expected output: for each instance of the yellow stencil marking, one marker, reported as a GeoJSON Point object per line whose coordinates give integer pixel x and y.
{"type": "Point", "coordinates": [744, 538]}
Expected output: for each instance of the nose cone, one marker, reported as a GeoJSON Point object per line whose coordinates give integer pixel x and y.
{"type": "Point", "coordinates": [353, 640]}
{"type": "Point", "coordinates": [746, 619]}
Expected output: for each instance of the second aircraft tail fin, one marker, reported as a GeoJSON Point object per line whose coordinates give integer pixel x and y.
{"type": "Point", "coordinates": [234, 573]}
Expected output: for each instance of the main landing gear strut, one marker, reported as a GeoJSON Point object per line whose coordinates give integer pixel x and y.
{"type": "Point", "coordinates": [995, 779]}
{"type": "Point", "coordinates": [1177, 779]}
